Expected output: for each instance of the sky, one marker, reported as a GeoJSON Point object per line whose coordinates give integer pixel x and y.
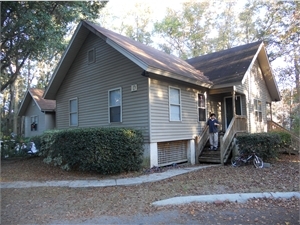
{"type": "Point", "coordinates": [158, 6]}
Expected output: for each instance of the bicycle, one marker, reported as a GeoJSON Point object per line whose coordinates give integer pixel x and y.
{"type": "Point", "coordinates": [244, 159]}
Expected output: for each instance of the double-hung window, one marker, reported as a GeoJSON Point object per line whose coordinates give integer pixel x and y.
{"type": "Point", "coordinates": [175, 104]}
{"type": "Point", "coordinates": [73, 112]}
{"type": "Point", "coordinates": [115, 105]}
{"type": "Point", "coordinates": [34, 123]}
{"type": "Point", "coordinates": [201, 107]}
{"type": "Point", "coordinates": [258, 110]}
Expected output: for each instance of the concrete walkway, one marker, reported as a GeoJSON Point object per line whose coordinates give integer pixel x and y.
{"type": "Point", "coordinates": [153, 177]}
{"type": "Point", "coordinates": [239, 197]}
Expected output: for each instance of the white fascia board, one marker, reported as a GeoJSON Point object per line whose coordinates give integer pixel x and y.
{"type": "Point", "coordinates": [127, 54]}
{"type": "Point", "coordinates": [252, 62]}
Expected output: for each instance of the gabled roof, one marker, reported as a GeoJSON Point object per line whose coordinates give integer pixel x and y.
{"type": "Point", "coordinates": [228, 67]}
{"type": "Point", "coordinates": [44, 105]}
{"type": "Point", "coordinates": [148, 58]}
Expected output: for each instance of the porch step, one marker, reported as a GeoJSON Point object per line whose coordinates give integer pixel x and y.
{"type": "Point", "coordinates": [209, 156]}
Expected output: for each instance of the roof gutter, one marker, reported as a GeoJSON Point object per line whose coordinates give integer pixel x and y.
{"type": "Point", "coordinates": [179, 77]}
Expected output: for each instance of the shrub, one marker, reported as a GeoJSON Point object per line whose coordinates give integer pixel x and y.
{"type": "Point", "coordinates": [7, 147]}
{"type": "Point", "coordinates": [105, 150]}
{"type": "Point", "coordinates": [285, 138]}
{"type": "Point", "coordinates": [266, 145]}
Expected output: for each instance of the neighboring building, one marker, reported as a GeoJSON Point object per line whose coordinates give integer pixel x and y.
{"type": "Point", "coordinates": [39, 113]}
{"type": "Point", "coordinates": [105, 79]}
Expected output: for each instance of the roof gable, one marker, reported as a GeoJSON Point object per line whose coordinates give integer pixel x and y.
{"type": "Point", "coordinates": [228, 67]}
{"type": "Point", "coordinates": [148, 58]}
{"type": "Point", "coordinates": [37, 96]}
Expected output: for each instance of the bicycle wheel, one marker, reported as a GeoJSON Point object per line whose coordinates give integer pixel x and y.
{"type": "Point", "coordinates": [258, 163]}
{"type": "Point", "coordinates": [236, 161]}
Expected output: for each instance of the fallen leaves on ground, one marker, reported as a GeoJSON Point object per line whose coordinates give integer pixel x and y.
{"type": "Point", "coordinates": [44, 204]}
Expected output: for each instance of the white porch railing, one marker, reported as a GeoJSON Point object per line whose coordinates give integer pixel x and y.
{"type": "Point", "coordinates": [237, 124]}
{"type": "Point", "coordinates": [273, 126]}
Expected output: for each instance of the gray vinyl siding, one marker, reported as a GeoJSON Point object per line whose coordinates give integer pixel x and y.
{"type": "Point", "coordinates": [257, 90]}
{"type": "Point", "coordinates": [33, 110]}
{"type": "Point", "coordinates": [90, 83]}
{"type": "Point", "coordinates": [161, 128]}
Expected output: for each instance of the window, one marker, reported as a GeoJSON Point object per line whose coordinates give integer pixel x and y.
{"type": "Point", "coordinates": [91, 56]}
{"type": "Point", "coordinates": [175, 104]}
{"type": "Point", "coordinates": [34, 123]}
{"type": "Point", "coordinates": [258, 110]}
{"type": "Point", "coordinates": [115, 105]}
{"type": "Point", "coordinates": [201, 107]}
{"type": "Point", "coordinates": [73, 112]}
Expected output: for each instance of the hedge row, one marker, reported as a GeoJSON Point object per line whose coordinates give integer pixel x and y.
{"type": "Point", "coordinates": [104, 150]}
{"type": "Point", "coordinates": [266, 145]}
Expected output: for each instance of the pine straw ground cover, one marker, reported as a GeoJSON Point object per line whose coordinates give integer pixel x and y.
{"type": "Point", "coordinates": [45, 204]}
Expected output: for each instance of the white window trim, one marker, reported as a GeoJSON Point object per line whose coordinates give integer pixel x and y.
{"type": "Point", "coordinates": [121, 103]}
{"type": "Point", "coordinates": [205, 107]}
{"type": "Point", "coordinates": [73, 112]}
{"type": "Point", "coordinates": [94, 56]}
{"type": "Point", "coordinates": [255, 101]}
{"type": "Point", "coordinates": [35, 119]}
{"type": "Point", "coordinates": [180, 105]}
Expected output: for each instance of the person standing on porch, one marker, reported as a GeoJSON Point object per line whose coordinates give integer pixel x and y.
{"type": "Point", "coordinates": [213, 124]}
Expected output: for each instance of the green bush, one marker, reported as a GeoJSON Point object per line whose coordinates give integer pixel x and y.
{"type": "Point", "coordinates": [285, 138]}
{"type": "Point", "coordinates": [266, 145]}
{"type": "Point", "coordinates": [105, 150]}
{"type": "Point", "coordinates": [7, 147]}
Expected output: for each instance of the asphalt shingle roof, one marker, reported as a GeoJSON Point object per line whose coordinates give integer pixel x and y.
{"type": "Point", "coordinates": [227, 66]}
{"type": "Point", "coordinates": [44, 104]}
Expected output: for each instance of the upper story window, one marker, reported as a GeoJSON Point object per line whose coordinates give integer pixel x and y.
{"type": "Point", "coordinates": [91, 56]}
{"type": "Point", "coordinates": [201, 107]}
{"type": "Point", "coordinates": [73, 112]}
{"type": "Point", "coordinates": [115, 105]}
{"type": "Point", "coordinates": [258, 110]}
{"type": "Point", "coordinates": [175, 104]}
{"type": "Point", "coordinates": [34, 123]}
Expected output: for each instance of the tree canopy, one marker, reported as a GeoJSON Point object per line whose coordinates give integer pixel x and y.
{"type": "Point", "coordinates": [35, 30]}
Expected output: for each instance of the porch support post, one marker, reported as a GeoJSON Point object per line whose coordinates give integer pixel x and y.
{"type": "Point", "coordinates": [271, 111]}
{"type": "Point", "coordinates": [233, 101]}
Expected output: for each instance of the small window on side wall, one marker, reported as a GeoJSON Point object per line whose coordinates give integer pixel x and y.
{"type": "Point", "coordinates": [201, 107]}
{"type": "Point", "coordinates": [73, 112]}
{"type": "Point", "coordinates": [34, 123]}
{"type": "Point", "coordinates": [258, 110]}
{"type": "Point", "coordinates": [115, 105]}
{"type": "Point", "coordinates": [91, 56]}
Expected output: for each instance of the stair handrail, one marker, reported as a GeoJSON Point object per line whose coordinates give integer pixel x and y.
{"type": "Point", "coordinates": [234, 127]}
{"type": "Point", "coordinates": [272, 126]}
{"type": "Point", "coordinates": [201, 142]}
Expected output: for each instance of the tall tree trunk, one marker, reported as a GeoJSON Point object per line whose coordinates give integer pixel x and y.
{"type": "Point", "coordinates": [16, 108]}
{"type": "Point", "coordinates": [11, 109]}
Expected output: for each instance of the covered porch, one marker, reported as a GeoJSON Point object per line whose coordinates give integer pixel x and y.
{"type": "Point", "coordinates": [230, 108]}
